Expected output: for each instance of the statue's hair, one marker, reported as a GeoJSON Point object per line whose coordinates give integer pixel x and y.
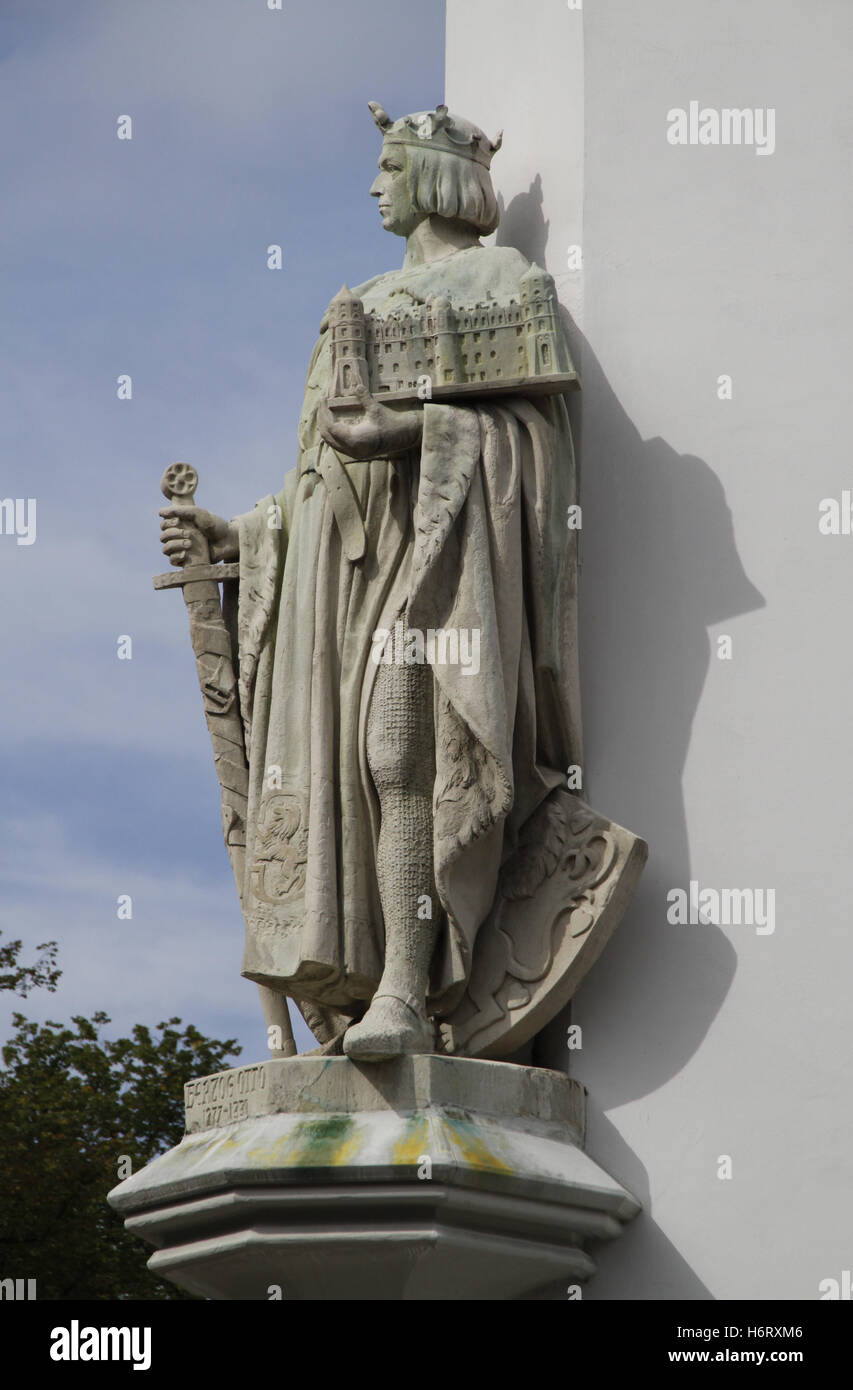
{"type": "Point", "coordinates": [446, 185]}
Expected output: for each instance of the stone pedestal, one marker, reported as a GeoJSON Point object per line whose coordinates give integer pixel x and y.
{"type": "Point", "coordinates": [421, 1178]}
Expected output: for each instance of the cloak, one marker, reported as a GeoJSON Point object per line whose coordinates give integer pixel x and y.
{"type": "Point", "coordinates": [468, 532]}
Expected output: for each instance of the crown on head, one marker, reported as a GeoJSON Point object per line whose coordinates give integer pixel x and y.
{"type": "Point", "coordinates": [440, 131]}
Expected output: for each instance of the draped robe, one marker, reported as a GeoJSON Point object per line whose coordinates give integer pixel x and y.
{"type": "Point", "coordinates": [467, 531]}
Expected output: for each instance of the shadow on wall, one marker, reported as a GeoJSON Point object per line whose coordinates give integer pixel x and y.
{"type": "Point", "coordinates": [659, 567]}
{"type": "Point", "coordinates": [523, 225]}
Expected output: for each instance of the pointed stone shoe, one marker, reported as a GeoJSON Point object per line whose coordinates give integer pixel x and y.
{"type": "Point", "coordinates": [389, 1029]}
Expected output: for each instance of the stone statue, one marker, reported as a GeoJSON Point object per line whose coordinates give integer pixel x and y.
{"type": "Point", "coordinates": [391, 677]}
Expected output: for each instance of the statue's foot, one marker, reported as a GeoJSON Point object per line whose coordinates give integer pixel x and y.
{"type": "Point", "coordinates": [394, 1026]}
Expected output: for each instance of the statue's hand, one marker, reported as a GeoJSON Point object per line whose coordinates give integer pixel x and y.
{"type": "Point", "coordinates": [370, 430]}
{"type": "Point", "coordinates": [184, 531]}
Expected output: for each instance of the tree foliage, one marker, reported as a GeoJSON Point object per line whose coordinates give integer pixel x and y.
{"type": "Point", "coordinates": [22, 978]}
{"type": "Point", "coordinates": [73, 1105]}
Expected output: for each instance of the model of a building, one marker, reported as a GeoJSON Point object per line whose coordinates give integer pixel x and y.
{"type": "Point", "coordinates": [437, 348]}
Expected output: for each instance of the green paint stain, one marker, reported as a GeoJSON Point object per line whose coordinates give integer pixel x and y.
{"type": "Point", "coordinates": [324, 1141]}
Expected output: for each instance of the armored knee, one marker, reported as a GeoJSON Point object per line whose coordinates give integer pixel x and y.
{"type": "Point", "coordinates": [400, 749]}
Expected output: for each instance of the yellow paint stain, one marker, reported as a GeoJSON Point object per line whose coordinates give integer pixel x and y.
{"type": "Point", "coordinates": [409, 1149]}
{"type": "Point", "coordinates": [347, 1152]}
{"type": "Point", "coordinates": [473, 1150]}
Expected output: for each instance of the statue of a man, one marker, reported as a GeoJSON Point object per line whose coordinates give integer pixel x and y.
{"type": "Point", "coordinates": [386, 795]}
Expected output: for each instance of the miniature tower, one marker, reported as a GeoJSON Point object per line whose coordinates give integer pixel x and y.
{"type": "Point", "coordinates": [348, 347]}
{"type": "Point", "coordinates": [446, 341]}
{"type": "Point", "coordinates": [539, 315]}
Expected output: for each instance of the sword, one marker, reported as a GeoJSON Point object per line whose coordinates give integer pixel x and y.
{"type": "Point", "coordinates": [214, 661]}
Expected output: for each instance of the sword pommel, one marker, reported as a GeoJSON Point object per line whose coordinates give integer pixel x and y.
{"type": "Point", "coordinates": [179, 483]}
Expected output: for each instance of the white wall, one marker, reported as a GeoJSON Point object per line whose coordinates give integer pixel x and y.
{"type": "Point", "coordinates": [701, 519]}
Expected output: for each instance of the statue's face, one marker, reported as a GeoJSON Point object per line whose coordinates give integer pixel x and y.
{"type": "Point", "coordinates": [399, 215]}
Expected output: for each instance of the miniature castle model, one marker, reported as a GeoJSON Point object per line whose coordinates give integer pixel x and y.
{"type": "Point", "coordinates": [494, 345]}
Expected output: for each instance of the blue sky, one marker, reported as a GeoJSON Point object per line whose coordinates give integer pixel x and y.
{"type": "Point", "coordinates": [148, 257]}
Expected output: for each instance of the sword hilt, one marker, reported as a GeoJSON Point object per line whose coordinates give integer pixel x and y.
{"type": "Point", "coordinates": [178, 484]}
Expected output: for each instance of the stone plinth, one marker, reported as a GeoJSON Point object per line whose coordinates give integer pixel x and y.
{"type": "Point", "coordinates": [421, 1178]}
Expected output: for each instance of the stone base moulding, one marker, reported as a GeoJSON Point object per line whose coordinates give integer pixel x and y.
{"type": "Point", "coordinates": [420, 1178]}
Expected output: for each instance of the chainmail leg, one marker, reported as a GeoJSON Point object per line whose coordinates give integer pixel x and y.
{"type": "Point", "coordinates": [401, 758]}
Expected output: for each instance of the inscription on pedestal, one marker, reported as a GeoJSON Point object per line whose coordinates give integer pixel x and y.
{"type": "Point", "coordinates": [222, 1099]}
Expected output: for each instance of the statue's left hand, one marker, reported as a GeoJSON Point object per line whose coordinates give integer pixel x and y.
{"type": "Point", "coordinates": [370, 430]}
